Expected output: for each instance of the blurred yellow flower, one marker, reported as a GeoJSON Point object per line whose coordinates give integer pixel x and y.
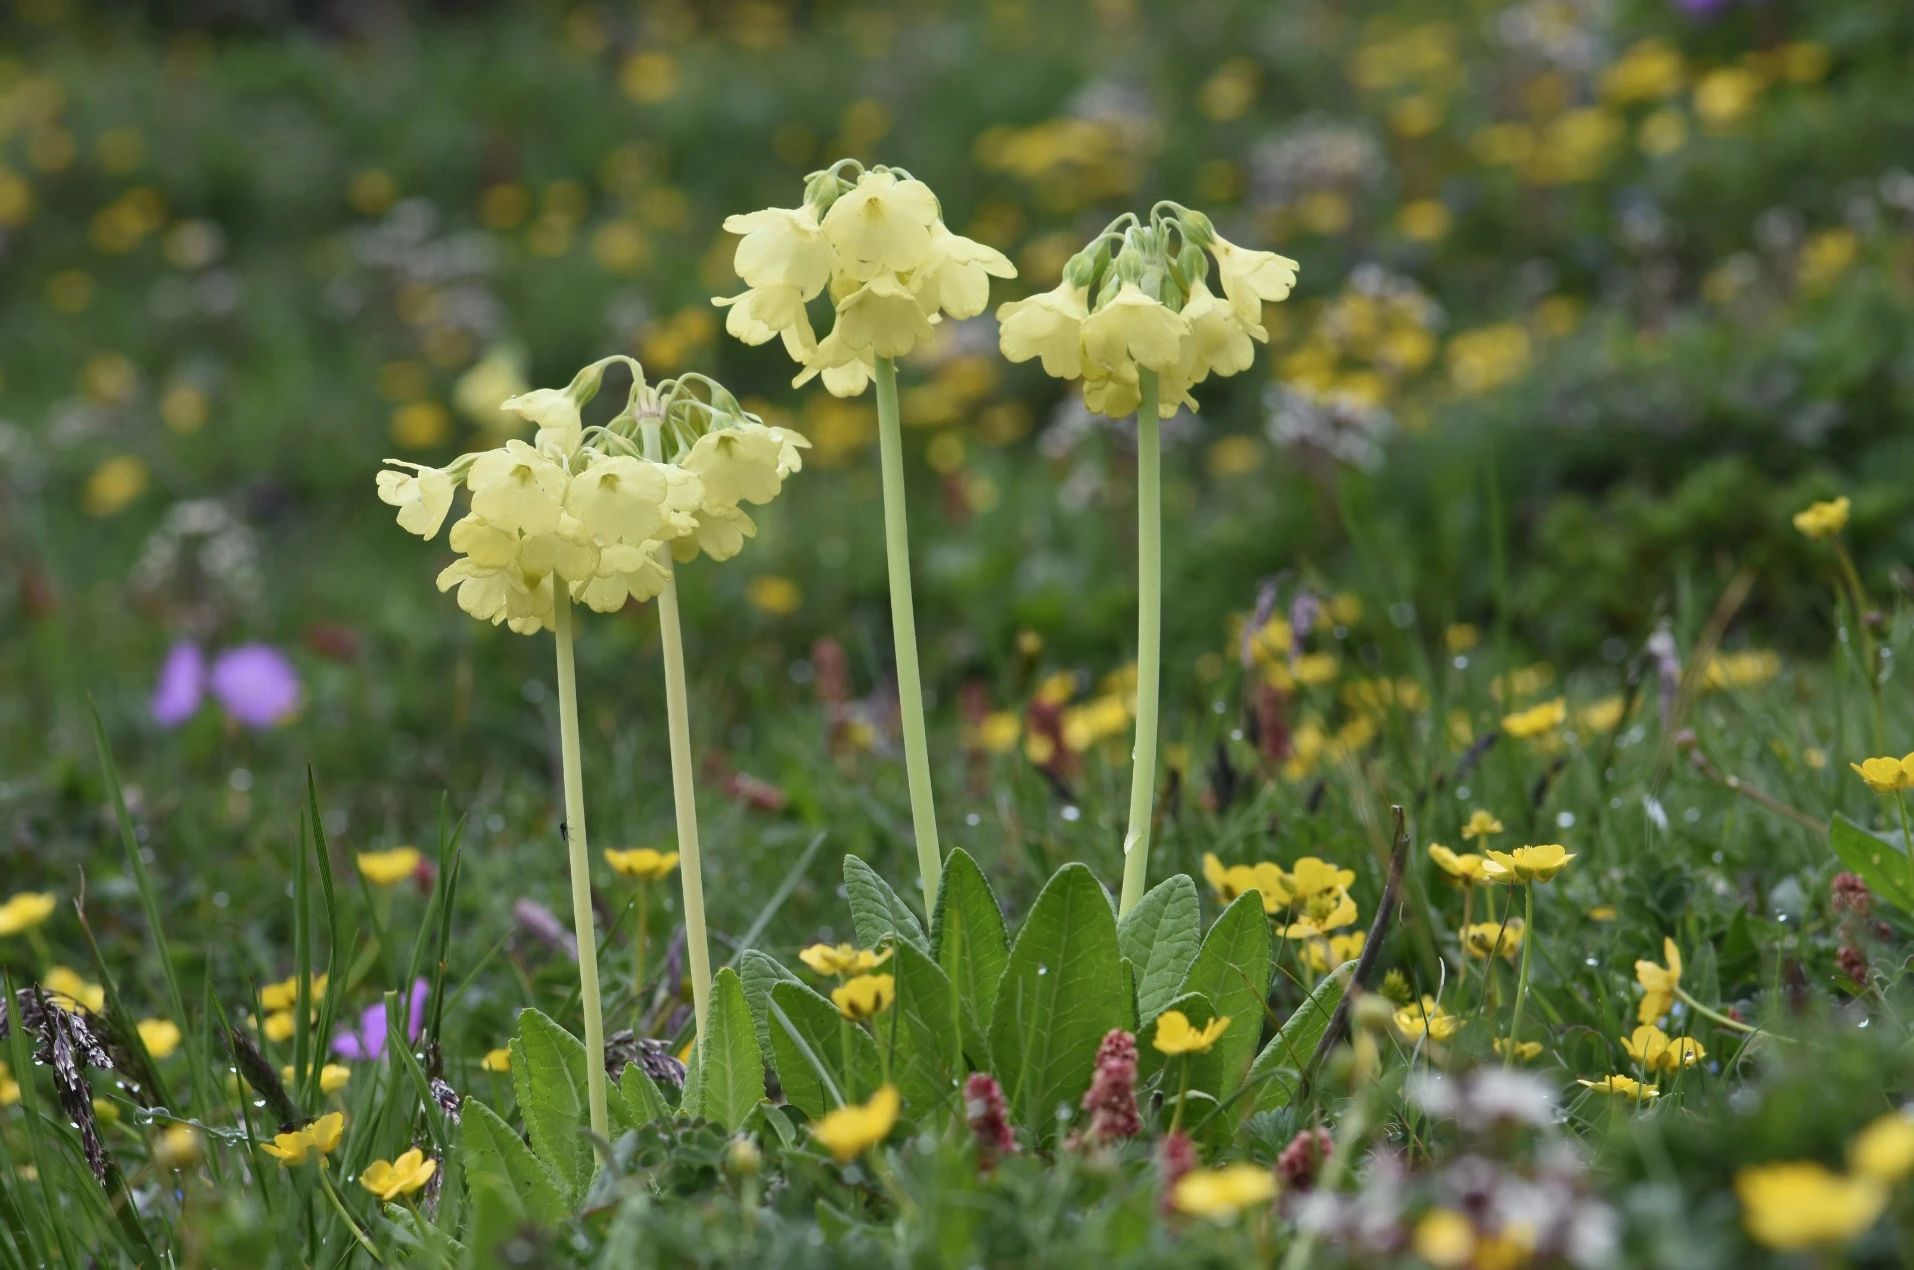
{"type": "Point", "coordinates": [1619, 1086]}
{"type": "Point", "coordinates": [1527, 864]}
{"type": "Point", "coordinates": [1884, 1150]}
{"type": "Point", "coordinates": [1322, 955]}
{"type": "Point", "coordinates": [1656, 1051]}
{"type": "Point", "coordinates": [25, 911]}
{"type": "Point", "coordinates": [1462, 868]}
{"type": "Point", "coordinates": [498, 1060]}
{"type": "Point", "coordinates": [1649, 70]}
{"type": "Point", "coordinates": [646, 864]}
{"type": "Point", "coordinates": [160, 1037]}
{"type": "Point", "coordinates": [71, 992]}
{"type": "Point", "coordinates": [1725, 95]}
{"type": "Point", "coordinates": [389, 868]}
{"type": "Point", "coordinates": [389, 1179]}
{"type": "Point", "coordinates": [1228, 882]}
{"type": "Point", "coordinates": [177, 1147]}
{"type": "Point", "coordinates": [1823, 520]}
{"type": "Point", "coordinates": [1493, 939]}
{"type": "Point", "coordinates": [1537, 720]}
{"type": "Point", "coordinates": [1797, 1206]}
{"type": "Point", "coordinates": [1480, 824]}
{"type": "Point", "coordinates": [1524, 1051]}
{"type": "Point", "coordinates": [1175, 1034]}
{"type": "Point", "coordinates": [777, 596]}
{"type": "Point", "coordinates": [1320, 913]}
{"type": "Point", "coordinates": [9, 1087]}
{"type": "Point", "coordinates": [1426, 1017]}
{"type": "Point", "coordinates": [284, 994]}
{"type": "Point", "coordinates": [1224, 1192]}
{"type": "Point", "coordinates": [1659, 983]}
{"type": "Point", "coordinates": [864, 995]}
{"type": "Point", "coordinates": [842, 959]}
{"type": "Point", "coordinates": [113, 485]}
{"type": "Point", "coordinates": [332, 1077]}
{"type": "Point", "coordinates": [852, 1129]}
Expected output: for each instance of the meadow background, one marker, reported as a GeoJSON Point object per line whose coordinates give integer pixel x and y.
{"type": "Point", "coordinates": [1594, 295]}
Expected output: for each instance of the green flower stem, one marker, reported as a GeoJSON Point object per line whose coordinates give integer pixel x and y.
{"type": "Point", "coordinates": [580, 865]}
{"type": "Point", "coordinates": [684, 796]}
{"type": "Point", "coordinates": [1149, 640]}
{"type": "Point", "coordinates": [1719, 1019]}
{"type": "Point", "coordinates": [1870, 655]}
{"type": "Point", "coordinates": [325, 1184]}
{"type": "Point", "coordinates": [638, 956]}
{"type": "Point", "coordinates": [1907, 837]}
{"type": "Point", "coordinates": [910, 688]}
{"type": "Point", "coordinates": [1522, 976]}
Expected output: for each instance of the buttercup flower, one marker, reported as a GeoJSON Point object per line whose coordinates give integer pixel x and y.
{"type": "Point", "coordinates": [498, 1060]}
{"type": "Point", "coordinates": [1265, 878]}
{"type": "Point", "coordinates": [646, 864]}
{"type": "Point", "coordinates": [1426, 1017]}
{"type": "Point", "coordinates": [389, 868]}
{"type": "Point", "coordinates": [332, 1077]}
{"type": "Point", "coordinates": [1619, 1086]}
{"type": "Point", "coordinates": [389, 1179]}
{"type": "Point", "coordinates": [1493, 939]}
{"type": "Point", "coordinates": [1480, 824]}
{"type": "Point", "coordinates": [1527, 864]}
{"type": "Point", "coordinates": [22, 912]}
{"type": "Point", "coordinates": [1521, 1051]}
{"type": "Point", "coordinates": [1537, 720]}
{"type": "Point", "coordinates": [161, 1037]}
{"type": "Point", "coordinates": [1659, 983]}
{"type": "Point", "coordinates": [1175, 1034]}
{"type": "Point", "coordinates": [1794, 1207]}
{"type": "Point", "coordinates": [1887, 775]}
{"type": "Point", "coordinates": [282, 995]}
{"type": "Point", "coordinates": [70, 991]}
{"type": "Point", "coordinates": [865, 995]}
{"type": "Point", "coordinates": [1223, 1192]}
{"type": "Point", "coordinates": [1320, 913]}
{"type": "Point", "coordinates": [1324, 954]}
{"type": "Point", "coordinates": [842, 959]}
{"type": "Point", "coordinates": [1656, 1051]}
{"type": "Point", "coordinates": [1823, 520]}
{"type": "Point", "coordinates": [1884, 1150]}
{"type": "Point", "coordinates": [318, 1139]}
{"type": "Point", "coordinates": [1464, 868]}
{"type": "Point", "coordinates": [851, 1130]}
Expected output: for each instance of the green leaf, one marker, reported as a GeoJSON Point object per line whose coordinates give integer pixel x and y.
{"type": "Point", "coordinates": [760, 973]}
{"type": "Point", "coordinates": [643, 1101]}
{"type": "Point", "coordinates": [921, 1033]}
{"type": "Point", "coordinates": [1232, 970]}
{"type": "Point", "coordinates": [497, 1159]}
{"type": "Point", "coordinates": [1160, 936]}
{"type": "Point", "coordinates": [807, 1049]}
{"type": "Point", "coordinates": [967, 938]}
{"type": "Point", "coordinates": [731, 1072]}
{"type": "Point", "coordinates": [876, 910]}
{"type": "Point", "coordinates": [1881, 864]}
{"type": "Point", "coordinates": [1062, 991]}
{"type": "Point", "coordinates": [1277, 1071]}
{"type": "Point", "coordinates": [548, 1072]}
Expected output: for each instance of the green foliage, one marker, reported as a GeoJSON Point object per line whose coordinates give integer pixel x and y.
{"type": "Point", "coordinates": [1232, 971]}
{"type": "Point", "coordinates": [1880, 863]}
{"type": "Point", "coordinates": [822, 1060]}
{"type": "Point", "coordinates": [876, 910]}
{"type": "Point", "coordinates": [498, 1165]}
{"type": "Point", "coordinates": [1160, 937]}
{"type": "Point", "coordinates": [968, 939]}
{"type": "Point", "coordinates": [1275, 1077]}
{"type": "Point", "coordinates": [730, 1069]}
{"type": "Point", "coordinates": [548, 1073]}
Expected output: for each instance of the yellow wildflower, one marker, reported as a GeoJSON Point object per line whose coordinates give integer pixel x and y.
{"type": "Point", "coordinates": [1312, 876]}
{"type": "Point", "coordinates": [280, 1025]}
{"type": "Point", "coordinates": [332, 1077]}
{"type": "Point", "coordinates": [1886, 775]}
{"type": "Point", "coordinates": [864, 996]}
{"type": "Point", "coordinates": [1493, 939]}
{"type": "Point", "coordinates": [1321, 913]}
{"type": "Point", "coordinates": [389, 1179]}
{"type": "Point", "coordinates": [71, 992]}
{"type": "Point", "coordinates": [1797, 1206]}
{"type": "Point", "coordinates": [160, 1037]}
{"type": "Point", "coordinates": [646, 864]}
{"type": "Point", "coordinates": [389, 868]}
{"type": "Point", "coordinates": [178, 1147]}
{"type": "Point", "coordinates": [282, 995]}
{"type": "Point", "coordinates": [1527, 864]}
{"type": "Point", "coordinates": [1323, 954]}
{"type": "Point", "coordinates": [9, 1087]}
{"type": "Point", "coordinates": [1048, 326]}
{"type": "Point", "coordinates": [1619, 1086]}
{"type": "Point", "coordinates": [1656, 1051]}
{"type": "Point", "coordinates": [1239, 879]}
{"type": "Point", "coordinates": [498, 1060]}
{"type": "Point", "coordinates": [853, 1129]}
{"type": "Point", "coordinates": [1537, 720]}
{"type": "Point", "coordinates": [842, 959]}
{"type": "Point", "coordinates": [24, 911]}
{"type": "Point", "coordinates": [1659, 983]}
{"type": "Point", "coordinates": [1480, 824]}
{"type": "Point", "coordinates": [1426, 1018]}
{"type": "Point", "coordinates": [1224, 1192]}
{"type": "Point", "coordinates": [1463, 868]}
{"type": "Point", "coordinates": [1175, 1034]}
{"type": "Point", "coordinates": [1884, 1150]}
{"type": "Point", "coordinates": [1823, 520]}
{"type": "Point", "coordinates": [320, 1137]}
{"type": "Point", "coordinates": [1524, 1050]}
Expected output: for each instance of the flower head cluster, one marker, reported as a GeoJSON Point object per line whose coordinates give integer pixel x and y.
{"type": "Point", "coordinates": [601, 511]}
{"type": "Point", "coordinates": [1111, 1098]}
{"type": "Point", "coordinates": [1314, 892]}
{"type": "Point", "coordinates": [1137, 299]}
{"type": "Point", "coordinates": [989, 1119]}
{"type": "Point", "coordinates": [873, 242]}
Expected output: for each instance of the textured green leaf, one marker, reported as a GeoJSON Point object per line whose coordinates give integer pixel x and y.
{"type": "Point", "coordinates": [760, 973]}
{"type": "Point", "coordinates": [808, 1037]}
{"type": "Point", "coordinates": [1232, 969]}
{"type": "Point", "coordinates": [1277, 1071]}
{"type": "Point", "coordinates": [1881, 864]}
{"type": "Point", "coordinates": [968, 940]}
{"type": "Point", "coordinates": [921, 1034]}
{"type": "Point", "coordinates": [876, 910]}
{"type": "Point", "coordinates": [1160, 937]}
{"type": "Point", "coordinates": [548, 1071]}
{"type": "Point", "coordinates": [495, 1159]}
{"type": "Point", "coordinates": [731, 1071]}
{"type": "Point", "coordinates": [1062, 990]}
{"type": "Point", "coordinates": [643, 1101]}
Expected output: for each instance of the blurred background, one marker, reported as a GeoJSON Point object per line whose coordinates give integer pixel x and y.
{"type": "Point", "coordinates": [1594, 294]}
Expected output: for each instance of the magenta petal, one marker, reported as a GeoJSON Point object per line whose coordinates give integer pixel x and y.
{"type": "Point", "coordinates": [256, 685]}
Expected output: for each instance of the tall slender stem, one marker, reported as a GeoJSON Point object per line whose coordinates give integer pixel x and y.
{"type": "Point", "coordinates": [683, 796]}
{"type": "Point", "coordinates": [910, 688]}
{"type": "Point", "coordinates": [1522, 978]}
{"type": "Point", "coordinates": [1149, 640]}
{"type": "Point", "coordinates": [1907, 834]}
{"type": "Point", "coordinates": [582, 921]}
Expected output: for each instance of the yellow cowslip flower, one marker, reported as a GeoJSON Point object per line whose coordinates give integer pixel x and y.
{"type": "Point", "coordinates": [423, 497]}
{"type": "Point", "coordinates": [1311, 876]}
{"type": "Point", "coordinates": [1133, 329]}
{"type": "Point", "coordinates": [1251, 278]}
{"type": "Point", "coordinates": [1230, 881]}
{"type": "Point", "coordinates": [1524, 1051]}
{"type": "Point", "coordinates": [1480, 824]}
{"type": "Point", "coordinates": [881, 225]}
{"type": "Point", "coordinates": [1537, 720]}
{"type": "Point", "coordinates": [1426, 1018]}
{"type": "Point", "coordinates": [1527, 864]}
{"type": "Point", "coordinates": [1656, 1051]}
{"type": "Point", "coordinates": [389, 1179]}
{"type": "Point", "coordinates": [1048, 326]}
{"type": "Point", "coordinates": [1886, 775]}
{"type": "Point", "coordinates": [498, 1060]}
{"type": "Point", "coordinates": [332, 1077]}
{"type": "Point", "coordinates": [1796, 1206]}
{"type": "Point", "coordinates": [1822, 520]}
{"type": "Point", "coordinates": [1175, 1034]}
{"type": "Point", "coordinates": [71, 992]}
{"type": "Point", "coordinates": [1659, 983]}
{"type": "Point", "coordinates": [1222, 1193]}
{"type": "Point", "coordinates": [1493, 939]}
{"type": "Point", "coordinates": [1462, 868]}
{"type": "Point", "coordinates": [781, 247]}
{"type": "Point", "coordinates": [843, 959]}
{"type": "Point", "coordinates": [178, 1147]}
{"type": "Point", "coordinates": [956, 278]}
{"type": "Point", "coordinates": [22, 912]}
{"type": "Point", "coordinates": [1321, 913]}
{"type": "Point", "coordinates": [284, 994]}
{"type": "Point", "coordinates": [1322, 955]}
{"type": "Point", "coordinates": [1884, 1149]}
{"type": "Point", "coordinates": [389, 868]}
{"type": "Point", "coordinates": [160, 1037]}
{"type": "Point", "coordinates": [320, 1138]}
{"type": "Point", "coordinates": [645, 864]}
{"type": "Point", "coordinates": [855, 1128]}
{"type": "Point", "coordinates": [1619, 1086]}
{"type": "Point", "coordinates": [865, 995]}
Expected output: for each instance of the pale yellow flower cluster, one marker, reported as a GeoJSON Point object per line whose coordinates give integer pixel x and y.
{"type": "Point", "coordinates": [1138, 299]}
{"type": "Point", "coordinates": [600, 511]}
{"type": "Point", "coordinates": [874, 243]}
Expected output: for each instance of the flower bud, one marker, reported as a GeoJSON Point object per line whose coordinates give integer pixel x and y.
{"type": "Point", "coordinates": [744, 1159]}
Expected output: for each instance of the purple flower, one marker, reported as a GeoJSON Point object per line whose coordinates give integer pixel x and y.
{"type": "Point", "coordinates": [182, 682]}
{"type": "Point", "coordinates": [256, 684]}
{"type": "Point", "coordinates": [367, 1041]}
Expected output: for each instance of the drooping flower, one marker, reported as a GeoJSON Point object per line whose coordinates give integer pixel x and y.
{"type": "Point", "coordinates": [855, 1128]}
{"type": "Point", "coordinates": [1659, 983]}
{"type": "Point", "coordinates": [1823, 520]}
{"type": "Point", "coordinates": [1527, 864]}
{"type": "Point", "coordinates": [1175, 1034]}
{"type": "Point", "coordinates": [864, 995]}
{"type": "Point", "coordinates": [1222, 1193]}
{"type": "Point", "coordinates": [1048, 326]}
{"type": "Point", "coordinates": [388, 868]}
{"type": "Point", "coordinates": [423, 497]}
{"type": "Point", "coordinates": [389, 1179]}
{"type": "Point", "coordinates": [1133, 329]}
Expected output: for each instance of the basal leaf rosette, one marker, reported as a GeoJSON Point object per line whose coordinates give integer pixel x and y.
{"type": "Point", "coordinates": [870, 244]}
{"type": "Point", "coordinates": [1138, 298]}
{"type": "Point", "coordinates": [591, 508]}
